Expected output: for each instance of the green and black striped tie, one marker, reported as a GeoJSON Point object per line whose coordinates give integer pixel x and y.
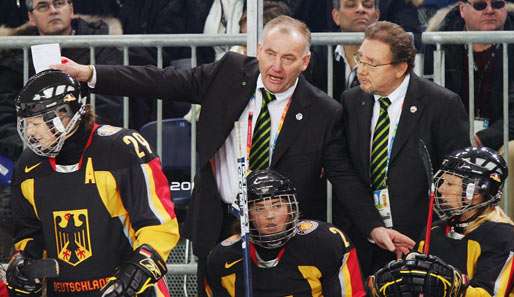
{"type": "Point", "coordinates": [379, 146]}
{"type": "Point", "coordinates": [259, 154]}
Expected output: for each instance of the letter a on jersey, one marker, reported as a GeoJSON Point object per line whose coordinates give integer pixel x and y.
{"type": "Point", "coordinates": [72, 236]}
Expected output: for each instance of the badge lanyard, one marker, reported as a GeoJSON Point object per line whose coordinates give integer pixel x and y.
{"type": "Point", "coordinates": [280, 124]}
{"type": "Point", "coordinates": [250, 129]}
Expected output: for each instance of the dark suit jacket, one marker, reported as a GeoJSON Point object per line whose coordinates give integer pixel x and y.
{"type": "Point", "coordinates": [306, 144]}
{"type": "Point", "coordinates": [431, 113]}
{"type": "Point", "coordinates": [317, 71]}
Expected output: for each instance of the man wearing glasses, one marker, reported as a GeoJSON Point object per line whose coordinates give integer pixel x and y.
{"type": "Point", "coordinates": [384, 121]}
{"type": "Point", "coordinates": [56, 17]}
{"type": "Point", "coordinates": [479, 15]}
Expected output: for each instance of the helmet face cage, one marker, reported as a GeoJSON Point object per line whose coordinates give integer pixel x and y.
{"type": "Point", "coordinates": [273, 207]}
{"type": "Point", "coordinates": [45, 134]}
{"type": "Point", "coordinates": [45, 101]}
{"type": "Point", "coordinates": [470, 171]}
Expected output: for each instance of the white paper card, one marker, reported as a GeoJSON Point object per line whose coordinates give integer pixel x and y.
{"type": "Point", "coordinates": [44, 55]}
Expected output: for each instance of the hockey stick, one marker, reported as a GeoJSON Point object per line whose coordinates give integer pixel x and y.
{"type": "Point", "coordinates": [427, 164]}
{"type": "Point", "coordinates": [41, 268]}
{"type": "Point", "coordinates": [243, 206]}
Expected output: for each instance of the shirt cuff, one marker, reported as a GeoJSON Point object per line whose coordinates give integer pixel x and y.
{"type": "Point", "coordinates": [92, 83]}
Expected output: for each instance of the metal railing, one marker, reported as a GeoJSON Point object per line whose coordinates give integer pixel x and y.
{"type": "Point", "coordinates": [468, 39]}
{"type": "Point", "coordinates": [195, 40]}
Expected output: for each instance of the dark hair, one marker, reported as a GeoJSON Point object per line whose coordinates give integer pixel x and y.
{"type": "Point", "coordinates": [270, 10]}
{"type": "Point", "coordinates": [336, 4]}
{"type": "Point", "coordinates": [400, 42]}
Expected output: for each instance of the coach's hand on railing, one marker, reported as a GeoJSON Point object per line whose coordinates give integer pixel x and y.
{"type": "Point", "coordinates": [80, 72]}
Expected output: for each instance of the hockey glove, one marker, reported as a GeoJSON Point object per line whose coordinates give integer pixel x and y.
{"type": "Point", "coordinates": [418, 274]}
{"type": "Point", "coordinates": [18, 283]}
{"type": "Point", "coordinates": [142, 270]}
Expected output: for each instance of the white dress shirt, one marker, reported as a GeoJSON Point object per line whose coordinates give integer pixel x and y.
{"type": "Point", "coordinates": [339, 54]}
{"type": "Point", "coordinates": [395, 110]}
{"type": "Point", "coordinates": [225, 159]}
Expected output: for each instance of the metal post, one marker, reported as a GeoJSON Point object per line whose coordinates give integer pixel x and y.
{"type": "Point", "coordinates": [159, 108]}
{"type": "Point", "coordinates": [330, 91]}
{"type": "Point", "coordinates": [254, 25]}
{"type": "Point", "coordinates": [471, 91]}
{"type": "Point", "coordinates": [92, 60]}
{"type": "Point", "coordinates": [506, 124]}
{"type": "Point", "coordinates": [25, 65]}
{"type": "Point", "coordinates": [125, 99]}
{"type": "Point", "coordinates": [438, 65]}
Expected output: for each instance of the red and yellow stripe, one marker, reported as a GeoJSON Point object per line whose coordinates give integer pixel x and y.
{"type": "Point", "coordinates": [350, 277]}
{"type": "Point", "coordinates": [503, 283]}
{"type": "Point", "coordinates": [165, 236]}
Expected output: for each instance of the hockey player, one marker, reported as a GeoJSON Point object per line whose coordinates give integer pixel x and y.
{"type": "Point", "coordinates": [93, 197]}
{"type": "Point", "coordinates": [476, 236]}
{"type": "Point", "coordinates": [289, 258]}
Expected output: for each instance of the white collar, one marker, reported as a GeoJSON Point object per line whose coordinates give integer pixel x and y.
{"type": "Point", "coordinates": [399, 93]}
{"type": "Point", "coordinates": [279, 96]}
{"type": "Point", "coordinates": [340, 54]}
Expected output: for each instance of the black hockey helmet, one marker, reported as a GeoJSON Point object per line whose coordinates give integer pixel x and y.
{"type": "Point", "coordinates": [50, 97]}
{"type": "Point", "coordinates": [267, 185]}
{"type": "Point", "coordinates": [482, 170]}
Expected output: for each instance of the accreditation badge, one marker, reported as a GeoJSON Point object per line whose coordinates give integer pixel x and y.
{"type": "Point", "coordinates": [480, 124]}
{"type": "Point", "coordinates": [383, 205]}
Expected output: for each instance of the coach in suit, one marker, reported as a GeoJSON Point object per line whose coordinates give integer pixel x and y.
{"type": "Point", "coordinates": [384, 119]}
{"type": "Point", "coordinates": [305, 140]}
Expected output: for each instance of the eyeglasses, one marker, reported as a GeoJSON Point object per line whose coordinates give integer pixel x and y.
{"type": "Point", "coordinates": [45, 6]}
{"type": "Point", "coordinates": [497, 4]}
{"type": "Point", "coordinates": [358, 61]}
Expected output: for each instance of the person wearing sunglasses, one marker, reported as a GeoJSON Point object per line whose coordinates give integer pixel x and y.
{"type": "Point", "coordinates": [479, 15]}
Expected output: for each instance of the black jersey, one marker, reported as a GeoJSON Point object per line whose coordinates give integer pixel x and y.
{"type": "Point", "coordinates": [318, 261]}
{"type": "Point", "coordinates": [485, 255]}
{"type": "Point", "coordinates": [90, 216]}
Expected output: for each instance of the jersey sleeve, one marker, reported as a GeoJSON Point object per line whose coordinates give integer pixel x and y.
{"type": "Point", "coordinates": [494, 268]}
{"type": "Point", "coordinates": [343, 276]}
{"type": "Point", "coordinates": [27, 226]}
{"type": "Point", "coordinates": [213, 284]}
{"type": "Point", "coordinates": [145, 194]}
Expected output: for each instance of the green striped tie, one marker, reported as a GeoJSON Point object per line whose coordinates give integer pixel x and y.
{"type": "Point", "coordinates": [379, 146]}
{"type": "Point", "coordinates": [259, 154]}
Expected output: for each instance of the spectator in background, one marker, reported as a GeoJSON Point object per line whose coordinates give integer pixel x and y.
{"type": "Point", "coordinates": [157, 17]}
{"type": "Point", "coordinates": [198, 12]}
{"type": "Point", "coordinates": [479, 15]}
{"type": "Point", "coordinates": [314, 13]}
{"type": "Point", "coordinates": [13, 13]}
{"type": "Point", "coordinates": [427, 9]}
{"type": "Point", "coordinates": [350, 16]}
{"type": "Point", "coordinates": [403, 13]}
{"type": "Point", "coordinates": [223, 18]}
{"type": "Point", "coordinates": [56, 17]}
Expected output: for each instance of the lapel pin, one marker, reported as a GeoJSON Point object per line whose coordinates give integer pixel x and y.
{"type": "Point", "coordinates": [299, 116]}
{"type": "Point", "coordinates": [243, 83]}
{"type": "Point", "coordinates": [413, 109]}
